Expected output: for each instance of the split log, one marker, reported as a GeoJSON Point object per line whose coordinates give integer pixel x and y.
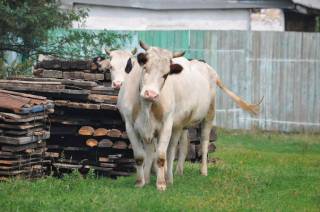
{"type": "Point", "coordinates": [120, 145]}
{"type": "Point", "coordinates": [43, 73]}
{"type": "Point", "coordinates": [23, 140]}
{"type": "Point", "coordinates": [86, 131]}
{"type": "Point", "coordinates": [103, 98]}
{"type": "Point", "coordinates": [105, 143]}
{"type": "Point", "coordinates": [92, 142]}
{"type": "Point", "coordinates": [93, 77]}
{"type": "Point", "coordinates": [100, 132]}
{"type": "Point", "coordinates": [52, 154]}
{"type": "Point", "coordinates": [114, 133]}
{"type": "Point", "coordinates": [18, 118]}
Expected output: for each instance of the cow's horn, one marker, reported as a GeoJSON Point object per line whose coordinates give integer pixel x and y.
{"type": "Point", "coordinates": [178, 54]}
{"type": "Point", "coordinates": [134, 51]}
{"type": "Point", "coordinates": [107, 52]}
{"type": "Point", "coordinates": [144, 46]}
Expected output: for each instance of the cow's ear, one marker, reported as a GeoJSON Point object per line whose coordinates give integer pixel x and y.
{"type": "Point", "coordinates": [128, 66]}
{"type": "Point", "coordinates": [142, 58]}
{"type": "Point", "coordinates": [175, 69]}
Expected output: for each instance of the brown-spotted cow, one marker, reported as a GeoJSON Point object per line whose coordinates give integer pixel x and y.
{"type": "Point", "coordinates": [176, 94]}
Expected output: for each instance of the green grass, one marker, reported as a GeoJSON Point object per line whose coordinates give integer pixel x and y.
{"type": "Point", "coordinates": [258, 171]}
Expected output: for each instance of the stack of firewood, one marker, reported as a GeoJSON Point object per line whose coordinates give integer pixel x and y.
{"type": "Point", "coordinates": [87, 131]}
{"type": "Point", "coordinates": [24, 129]}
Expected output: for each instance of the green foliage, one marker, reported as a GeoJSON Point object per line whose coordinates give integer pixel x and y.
{"type": "Point", "coordinates": [24, 24]}
{"type": "Point", "coordinates": [33, 27]}
{"type": "Point", "coordinates": [254, 172]}
{"type": "Point", "coordinates": [82, 44]}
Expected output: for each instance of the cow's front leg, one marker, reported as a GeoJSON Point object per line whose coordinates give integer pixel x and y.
{"type": "Point", "coordinates": [150, 154]}
{"type": "Point", "coordinates": [164, 139]}
{"type": "Point", "coordinates": [139, 154]}
{"type": "Point", "coordinates": [176, 134]}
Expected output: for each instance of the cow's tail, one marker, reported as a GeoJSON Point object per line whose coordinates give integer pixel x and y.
{"type": "Point", "coordinates": [251, 108]}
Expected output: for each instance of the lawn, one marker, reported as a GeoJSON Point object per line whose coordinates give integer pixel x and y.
{"type": "Point", "coordinates": [258, 171]}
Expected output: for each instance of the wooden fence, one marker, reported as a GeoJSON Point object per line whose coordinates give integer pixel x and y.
{"type": "Point", "coordinates": [282, 67]}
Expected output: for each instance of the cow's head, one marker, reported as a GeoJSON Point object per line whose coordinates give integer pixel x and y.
{"type": "Point", "coordinates": [96, 63]}
{"type": "Point", "coordinates": [157, 66]}
{"type": "Point", "coordinates": [120, 65]}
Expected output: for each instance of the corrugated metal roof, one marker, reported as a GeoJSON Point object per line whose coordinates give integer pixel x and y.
{"type": "Point", "coordinates": [186, 4]}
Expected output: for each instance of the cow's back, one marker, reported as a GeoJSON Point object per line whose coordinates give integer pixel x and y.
{"type": "Point", "coordinates": [192, 93]}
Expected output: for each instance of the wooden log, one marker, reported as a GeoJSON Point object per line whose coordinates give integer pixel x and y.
{"type": "Point", "coordinates": [124, 135]}
{"type": "Point", "coordinates": [108, 107]}
{"type": "Point", "coordinates": [103, 98]}
{"type": "Point", "coordinates": [104, 159]}
{"type": "Point", "coordinates": [105, 143]}
{"type": "Point", "coordinates": [29, 86]}
{"type": "Point", "coordinates": [91, 142]}
{"type": "Point", "coordinates": [105, 90]}
{"type": "Point", "coordinates": [73, 75]}
{"type": "Point", "coordinates": [114, 133]}
{"type": "Point", "coordinates": [80, 83]}
{"type": "Point", "coordinates": [120, 145]}
{"type": "Point", "coordinates": [44, 73]}
{"type": "Point", "coordinates": [82, 121]}
{"type": "Point", "coordinates": [23, 126]}
{"type": "Point", "coordinates": [49, 64]}
{"type": "Point", "coordinates": [100, 132]}
{"type": "Point", "coordinates": [23, 95]}
{"type": "Point", "coordinates": [11, 148]}
{"type": "Point", "coordinates": [78, 105]}
{"type": "Point", "coordinates": [23, 140]}
{"type": "Point", "coordinates": [52, 154]}
{"type": "Point", "coordinates": [108, 165]}
{"type": "Point", "coordinates": [93, 77]}
{"type": "Point", "coordinates": [86, 131]}
{"type": "Point", "coordinates": [27, 132]}
{"type": "Point", "coordinates": [18, 118]}
{"type": "Point", "coordinates": [41, 79]}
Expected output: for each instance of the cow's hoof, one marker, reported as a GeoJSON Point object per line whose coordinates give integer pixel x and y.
{"type": "Point", "coordinates": [139, 183]}
{"type": "Point", "coordinates": [161, 186]}
{"type": "Point", "coordinates": [179, 172]}
{"type": "Point", "coordinates": [169, 180]}
{"type": "Point", "coordinates": [204, 173]}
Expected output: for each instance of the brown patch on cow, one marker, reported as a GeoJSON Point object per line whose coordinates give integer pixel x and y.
{"type": "Point", "coordinates": [135, 111]}
{"type": "Point", "coordinates": [160, 162]}
{"type": "Point", "coordinates": [139, 161]}
{"type": "Point", "coordinates": [157, 111]}
{"type": "Point", "coordinates": [187, 118]}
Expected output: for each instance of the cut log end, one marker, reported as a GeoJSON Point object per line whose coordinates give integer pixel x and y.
{"type": "Point", "coordinates": [86, 131]}
{"type": "Point", "coordinates": [92, 142]}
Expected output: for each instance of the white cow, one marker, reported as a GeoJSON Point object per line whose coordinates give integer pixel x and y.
{"type": "Point", "coordinates": [175, 94]}
{"type": "Point", "coordinates": [120, 65]}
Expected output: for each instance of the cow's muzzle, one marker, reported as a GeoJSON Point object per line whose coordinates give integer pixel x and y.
{"type": "Point", "coordinates": [116, 84]}
{"type": "Point", "coordinates": [150, 95]}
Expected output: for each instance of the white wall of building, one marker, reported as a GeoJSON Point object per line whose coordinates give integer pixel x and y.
{"type": "Point", "coordinates": [116, 18]}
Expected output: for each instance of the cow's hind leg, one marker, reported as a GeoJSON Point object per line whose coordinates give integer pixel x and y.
{"type": "Point", "coordinates": [206, 127]}
{"type": "Point", "coordinates": [176, 134]}
{"type": "Point", "coordinates": [183, 151]}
